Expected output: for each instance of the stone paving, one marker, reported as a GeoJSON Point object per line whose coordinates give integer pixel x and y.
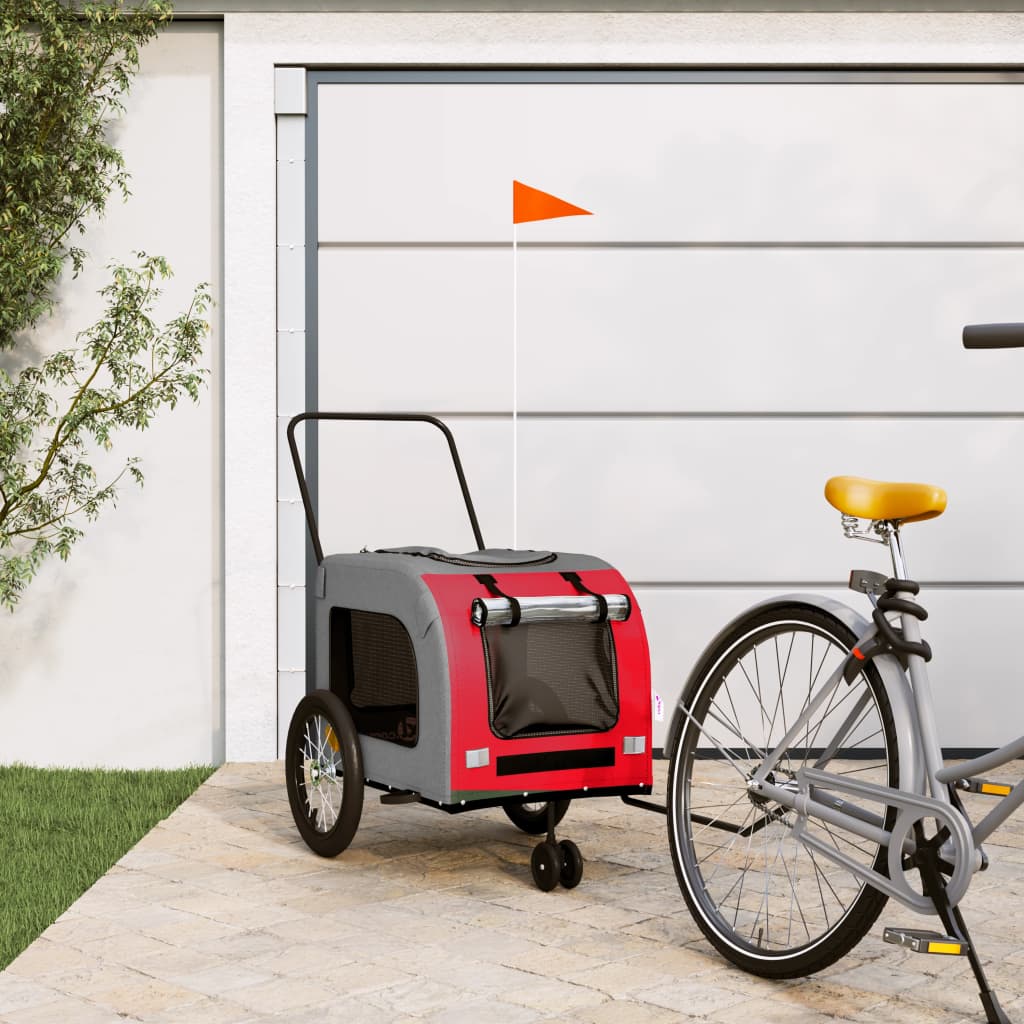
{"type": "Point", "coordinates": [221, 915]}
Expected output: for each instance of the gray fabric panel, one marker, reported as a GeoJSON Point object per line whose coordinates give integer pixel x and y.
{"type": "Point", "coordinates": [425, 767]}
{"type": "Point", "coordinates": [488, 558]}
{"type": "Point", "coordinates": [391, 583]}
{"type": "Point", "coordinates": [404, 562]}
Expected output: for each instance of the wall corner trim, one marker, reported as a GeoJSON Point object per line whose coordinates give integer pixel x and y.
{"type": "Point", "coordinates": [290, 91]}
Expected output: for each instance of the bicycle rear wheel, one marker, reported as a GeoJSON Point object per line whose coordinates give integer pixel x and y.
{"type": "Point", "coordinates": [768, 903]}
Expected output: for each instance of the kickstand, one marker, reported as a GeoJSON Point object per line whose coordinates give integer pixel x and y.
{"type": "Point", "coordinates": [953, 922]}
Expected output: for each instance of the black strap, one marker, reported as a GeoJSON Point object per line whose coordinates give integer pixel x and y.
{"type": "Point", "coordinates": [602, 603]}
{"type": "Point", "coordinates": [492, 588]}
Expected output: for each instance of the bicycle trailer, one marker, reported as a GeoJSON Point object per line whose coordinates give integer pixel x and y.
{"type": "Point", "coordinates": [506, 678]}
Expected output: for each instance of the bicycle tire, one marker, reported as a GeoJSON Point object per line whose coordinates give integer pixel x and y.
{"type": "Point", "coordinates": [324, 773]}
{"type": "Point", "coordinates": [793, 914]}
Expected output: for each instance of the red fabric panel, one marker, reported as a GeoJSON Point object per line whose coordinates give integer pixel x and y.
{"type": "Point", "coordinates": [470, 727]}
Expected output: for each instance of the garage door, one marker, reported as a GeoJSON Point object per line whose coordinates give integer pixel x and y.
{"type": "Point", "coordinates": [769, 292]}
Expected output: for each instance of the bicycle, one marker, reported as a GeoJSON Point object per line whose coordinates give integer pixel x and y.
{"type": "Point", "coordinates": [806, 785]}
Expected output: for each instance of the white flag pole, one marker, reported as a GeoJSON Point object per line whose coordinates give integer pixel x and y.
{"type": "Point", "coordinates": [515, 386]}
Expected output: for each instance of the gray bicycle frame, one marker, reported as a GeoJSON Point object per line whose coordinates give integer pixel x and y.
{"type": "Point", "coordinates": [923, 782]}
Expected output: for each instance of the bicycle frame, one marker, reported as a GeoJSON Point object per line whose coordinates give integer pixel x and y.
{"type": "Point", "coordinates": [924, 791]}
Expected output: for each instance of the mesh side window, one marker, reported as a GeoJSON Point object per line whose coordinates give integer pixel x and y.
{"type": "Point", "coordinates": [373, 670]}
{"type": "Point", "coordinates": [550, 678]}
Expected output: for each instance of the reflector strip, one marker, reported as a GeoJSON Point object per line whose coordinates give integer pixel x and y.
{"type": "Point", "coordinates": [555, 761]}
{"type": "Point", "coordinates": [948, 948]}
{"type": "Point", "coordinates": [994, 789]}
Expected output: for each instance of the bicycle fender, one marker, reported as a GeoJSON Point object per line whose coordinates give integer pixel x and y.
{"type": "Point", "coordinates": [894, 679]}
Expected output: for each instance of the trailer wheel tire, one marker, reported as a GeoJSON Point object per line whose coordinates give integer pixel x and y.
{"type": "Point", "coordinates": [324, 773]}
{"type": "Point", "coordinates": [546, 865]}
{"type": "Point", "coordinates": [572, 864]}
{"type": "Point", "coordinates": [532, 816]}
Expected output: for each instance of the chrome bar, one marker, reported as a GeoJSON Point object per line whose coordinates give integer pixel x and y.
{"type": "Point", "coordinates": [497, 611]}
{"type": "Point", "coordinates": [899, 563]}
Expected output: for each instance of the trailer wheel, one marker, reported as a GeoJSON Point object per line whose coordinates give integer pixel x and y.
{"type": "Point", "coordinates": [324, 773]}
{"type": "Point", "coordinates": [532, 816]}
{"type": "Point", "coordinates": [546, 865]}
{"type": "Point", "coordinates": [572, 864]}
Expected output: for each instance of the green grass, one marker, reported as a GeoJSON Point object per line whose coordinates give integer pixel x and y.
{"type": "Point", "coordinates": [61, 829]}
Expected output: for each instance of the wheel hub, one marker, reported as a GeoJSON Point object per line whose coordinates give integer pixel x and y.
{"type": "Point", "coordinates": [761, 799]}
{"type": "Point", "coordinates": [318, 771]}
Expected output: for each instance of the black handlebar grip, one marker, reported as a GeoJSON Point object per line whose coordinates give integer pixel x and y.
{"type": "Point", "coordinates": [994, 336]}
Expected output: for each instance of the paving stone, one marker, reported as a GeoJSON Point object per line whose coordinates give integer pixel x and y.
{"type": "Point", "coordinates": [45, 957]}
{"type": "Point", "coordinates": [222, 979]}
{"type": "Point", "coordinates": [349, 1009]}
{"type": "Point", "coordinates": [127, 992]}
{"type": "Point", "coordinates": [23, 993]}
{"type": "Point", "coordinates": [550, 994]}
{"type": "Point", "coordinates": [883, 978]}
{"type": "Point", "coordinates": [221, 915]}
{"type": "Point", "coordinates": [628, 1012]}
{"type": "Point", "coordinates": [766, 1011]}
{"type": "Point", "coordinates": [696, 999]}
{"type": "Point", "coordinates": [621, 978]}
{"type": "Point", "coordinates": [493, 1010]}
{"type": "Point", "coordinates": [71, 1010]}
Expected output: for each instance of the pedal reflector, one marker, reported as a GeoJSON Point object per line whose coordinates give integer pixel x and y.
{"type": "Point", "coordinates": [994, 789]}
{"type": "Point", "coordinates": [920, 941]}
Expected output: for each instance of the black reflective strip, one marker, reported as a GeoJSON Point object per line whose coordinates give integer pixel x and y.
{"type": "Point", "coordinates": [555, 761]}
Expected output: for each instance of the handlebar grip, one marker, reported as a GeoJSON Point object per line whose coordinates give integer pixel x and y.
{"type": "Point", "coordinates": [994, 336]}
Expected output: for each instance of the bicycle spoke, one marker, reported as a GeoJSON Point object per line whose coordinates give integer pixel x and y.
{"type": "Point", "coordinates": [782, 687]}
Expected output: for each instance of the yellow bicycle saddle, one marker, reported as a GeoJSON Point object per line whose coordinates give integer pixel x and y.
{"type": "Point", "coordinates": [874, 499]}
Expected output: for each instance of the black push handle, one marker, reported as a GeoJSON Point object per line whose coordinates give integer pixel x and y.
{"type": "Point", "coordinates": [314, 533]}
{"type": "Point", "coordinates": [994, 336]}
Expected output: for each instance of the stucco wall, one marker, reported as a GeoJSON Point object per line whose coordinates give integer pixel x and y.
{"type": "Point", "coordinates": [114, 657]}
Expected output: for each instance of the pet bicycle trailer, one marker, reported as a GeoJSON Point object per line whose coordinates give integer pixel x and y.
{"type": "Point", "coordinates": [506, 678]}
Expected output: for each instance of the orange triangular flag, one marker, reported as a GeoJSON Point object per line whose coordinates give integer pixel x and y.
{"type": "Point", "coordinates": [532, 204]}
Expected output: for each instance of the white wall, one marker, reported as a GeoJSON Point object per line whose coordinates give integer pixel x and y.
{"type": "Point", "coordinates": [255, 43]}
{"type": "Point", "coordinates": [114, 657]}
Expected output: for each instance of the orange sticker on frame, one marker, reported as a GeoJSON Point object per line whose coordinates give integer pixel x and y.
{"type": "Point", "coordinates": [532, 204]}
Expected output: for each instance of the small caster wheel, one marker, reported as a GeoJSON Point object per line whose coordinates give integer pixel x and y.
{"type": "Point", "coordinates": [572, 864]}
{"type": "Point", "coordinates": [546, 865]}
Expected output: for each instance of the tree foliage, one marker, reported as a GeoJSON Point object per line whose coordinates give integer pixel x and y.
{"type": "Point", "coordinates": [53, 415]}
{"type": "Point", "coordinates": [64, 68]}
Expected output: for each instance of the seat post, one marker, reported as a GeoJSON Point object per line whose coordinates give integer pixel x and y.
{"type": "Point", "coordinates": [899, 564]}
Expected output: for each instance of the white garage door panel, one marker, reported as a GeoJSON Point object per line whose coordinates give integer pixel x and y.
{"type": "Point", "coordinates": [694, 330]}
{"type": "Point", "coordinates": [961, 624]}
{"type": "Point", "coordinates": [682, 499]}
{"type": "Point", "coordinates": [674, 162]}
{"type": "Point", "coordinates": [698, 499]}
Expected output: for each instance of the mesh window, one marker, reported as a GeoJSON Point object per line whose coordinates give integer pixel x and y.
{"type": "Point", "coordinates": [373, 670]}
{"type": "Point", "coordinates": [550, 678]}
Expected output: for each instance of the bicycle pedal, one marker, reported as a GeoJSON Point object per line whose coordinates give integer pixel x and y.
{"type": "Point", "coordinates": [920, 941]}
